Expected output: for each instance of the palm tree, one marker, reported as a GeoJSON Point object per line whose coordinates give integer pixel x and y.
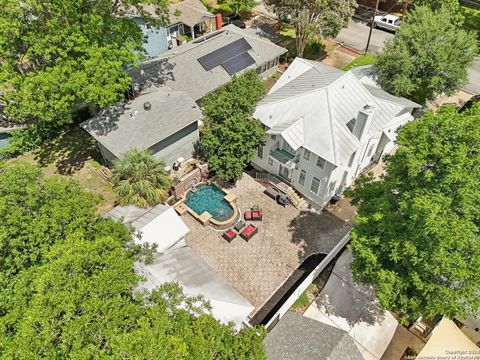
{"type": "Point", "coordinates": [140, 179]}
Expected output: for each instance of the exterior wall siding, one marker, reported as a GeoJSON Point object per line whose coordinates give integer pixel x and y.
{"type": "Point", "coordinates": [333, 179]}
{"type": "Point", "coordinates": [180, 144]}
{"type": "Point", "coordinates": [155, 39]}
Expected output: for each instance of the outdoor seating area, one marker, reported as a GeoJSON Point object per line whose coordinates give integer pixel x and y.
{"type": "Point", "coordinates": [273, 248]}
{"type": "Point", "coordinates": [248, 232]}
{"type": "Point", "coordinates": [255, 214]}
{"type": "Point", "coordinates": [245, 232]}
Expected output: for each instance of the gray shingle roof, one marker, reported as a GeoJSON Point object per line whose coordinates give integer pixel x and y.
{"type": "Point", "coordinates": [126, 126]}
{"type": "Point", "coordinates": [297, 337]}
{"type": "Point", "coordinates": [179, 68]}
{"type": "Point", "coordinates": [191, 12]}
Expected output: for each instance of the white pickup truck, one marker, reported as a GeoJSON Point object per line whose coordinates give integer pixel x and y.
{"type": "Point", "coordinates": [387, 22]}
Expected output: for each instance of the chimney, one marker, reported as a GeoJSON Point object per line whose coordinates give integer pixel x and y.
{"type": "Point", "coordinates": [147, 106]}
{"type": "Point", "coordinates": [218, 21]}
{"type": "Point", "coordinates": [363, 121]}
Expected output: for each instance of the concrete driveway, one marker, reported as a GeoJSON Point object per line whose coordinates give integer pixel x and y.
{"type": "Point", "coordinates": [354, 308]}
{"type": "Point", "coordinates": [473, 85]}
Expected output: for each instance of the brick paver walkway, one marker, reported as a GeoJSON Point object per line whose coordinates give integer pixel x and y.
{"type": "Point", "coordinates": [285, 238]}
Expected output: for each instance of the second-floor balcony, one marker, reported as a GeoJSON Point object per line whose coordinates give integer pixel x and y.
{"type": "Point", "coordinates": [282, 156]}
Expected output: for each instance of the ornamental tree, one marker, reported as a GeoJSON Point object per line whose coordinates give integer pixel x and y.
{"type": "Point", "coordinates": [57, 55]}
{"type": "Point", "coordinates": [416, 238]}
{"type": "Point", "coordinates": [140, 179]}
{"type": "Point", "coordinates": [428, 56]}
{"type": "Point", "coordinates": [231, 136]}
{"type": "Point", "coordinates": [324, 18]}
{"type": "Point", "coordinates": [68, 288]}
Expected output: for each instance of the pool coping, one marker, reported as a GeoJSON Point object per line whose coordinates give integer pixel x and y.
{"type": "Point", "coordinates": [205, 218]}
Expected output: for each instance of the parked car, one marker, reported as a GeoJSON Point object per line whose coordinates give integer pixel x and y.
{"type": "Point", "coordinates": [387, 22]}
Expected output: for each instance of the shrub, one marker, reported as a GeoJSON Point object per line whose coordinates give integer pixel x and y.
{"type": "Point", "coordinates": [140, 179]}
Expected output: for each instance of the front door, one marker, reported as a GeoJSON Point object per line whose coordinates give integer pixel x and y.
{"type": "Point", "coordinates": [284, 172]}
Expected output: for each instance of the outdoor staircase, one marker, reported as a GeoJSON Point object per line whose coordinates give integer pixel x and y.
{"type": "Point", "coordinates": [293, 196]}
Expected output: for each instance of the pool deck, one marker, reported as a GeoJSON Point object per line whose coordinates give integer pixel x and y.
{"type": "Point", "coordinates": [285, 238]}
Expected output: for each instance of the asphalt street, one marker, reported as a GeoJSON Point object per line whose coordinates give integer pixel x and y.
{"type": "Point", "coordinates": [355, 37]}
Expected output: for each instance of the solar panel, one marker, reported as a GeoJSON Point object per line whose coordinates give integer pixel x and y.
{"type": "Point", "coordinates": [238, 63]}
{"type": "Point", "coordinates": [224, 54]}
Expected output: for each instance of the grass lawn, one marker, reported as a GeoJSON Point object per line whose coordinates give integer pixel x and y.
{"type": "Point", "coordinates": [362, 60]}
{"type": "Point", "coordinates": [73, 154]}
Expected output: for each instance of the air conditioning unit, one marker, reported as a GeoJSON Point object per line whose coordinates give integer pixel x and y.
{"type": "Point", "coordinates": [168, 168]}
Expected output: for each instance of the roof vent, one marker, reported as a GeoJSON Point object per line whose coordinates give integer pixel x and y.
{"type": "Point", "coordinates": [367, 107]}
{"type": "Point", "coordinates": [147, 106]}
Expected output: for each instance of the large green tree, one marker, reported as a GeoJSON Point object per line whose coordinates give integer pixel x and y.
{"type": "Point", "coordinates": [310, 18]}
{"type": "Point", "coordinates": [416, 238]}
{"type": "Point", "coordinates": [68, 287]}
{"type": "Point", "coordinates": [140, 179]}
{"type": "Point", "coordinates": [231, 136]}
{"type": "Point", "coordinates": [236, 6]}
{"type": "Point", "coordinates": [56, 55]}
{"type": "Point", "coordinates": [428, 56]}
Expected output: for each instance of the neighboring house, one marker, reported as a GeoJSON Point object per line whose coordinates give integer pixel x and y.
{"type": "Point", "coordinates": [324, 126]}
{"type": "Point", "coordinates": [174, 261]}
{"type": "Point", "coordinates": [160, 225]}
{"type": "Point", "coordinates": [203, 65]}
{"type": "Point", "coordinates": [447, 341]}
{"type": "Point", "coordinates": [296, 337]}
{"type": "Point", "coordinates": [162, 120]}
{"type": "Point", "coordinates": [189, 18]}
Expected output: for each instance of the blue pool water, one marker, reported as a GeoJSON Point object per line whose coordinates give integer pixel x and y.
{"type": "Point", "coordinates": [209, 198]}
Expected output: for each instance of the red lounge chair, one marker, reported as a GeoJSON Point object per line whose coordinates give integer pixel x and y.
{"type": "Point", "coordinates": [257, 215]}
{"type": "Point", "coordinates": [247, 215]}
{"type": "Point", "coordinates": [229, 235]}
{"type": "Point", "coordinates": [248, 232]}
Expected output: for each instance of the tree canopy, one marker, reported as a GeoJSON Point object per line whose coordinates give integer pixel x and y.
{"type": "Point", "coordinates": [140, 179]}
{"type": "Point", "coordinates": [428, 56]}
{"type": "Point", "coordinates": [68, 288]}
{"type": "Point", "coordinates": [324, 18]}
{"type": "Point", "coordinates": [56, 55]}
{"type": "Point", "coordinates": [416, 238]}
{"type": "Point", "coordinates": [230, 137]}
{"type": "Point", "coordinates": [235, 6]}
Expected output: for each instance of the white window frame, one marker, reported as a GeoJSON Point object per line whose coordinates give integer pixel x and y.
{"type": "Point", "coordinates": [307, 154]}
{"type": "Point", "coordinates": [323, 162]}
{"type": "Point", "coordinates": [270, 161]}
{"type": "Point", "coordinates": [260, 151]}
{"type": "Point", "coordinates": [300, 177]}
{"type": "Point", "coordinates": [314, 179]}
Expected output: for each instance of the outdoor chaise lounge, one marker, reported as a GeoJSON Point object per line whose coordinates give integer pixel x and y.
{"type": "Point", "coordinates": [229, 235]}
{"type": "Point", "coordinates": [248, 232]}
{"type": "Point", "coordinates": [254, 215]}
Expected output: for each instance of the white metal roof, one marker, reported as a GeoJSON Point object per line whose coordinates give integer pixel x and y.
{"type": "Point", "coordinates": [311, 104]}
{"type": "Point", "coordinates": [159, 225]}
{"type": "Point", "coordinates": [196, 277]}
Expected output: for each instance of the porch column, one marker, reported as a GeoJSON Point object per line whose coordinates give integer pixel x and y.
{"type": "Point", "coordinates": [211, 24]}
{"type": "Point", "coordinates": [193, 32]}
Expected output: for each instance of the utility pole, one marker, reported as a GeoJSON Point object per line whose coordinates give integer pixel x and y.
{"type": "Point", "coordinates": [371, 26]}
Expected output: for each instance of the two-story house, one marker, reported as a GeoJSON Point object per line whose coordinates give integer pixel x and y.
{"type": "Point", "coordinates": [324, 126]}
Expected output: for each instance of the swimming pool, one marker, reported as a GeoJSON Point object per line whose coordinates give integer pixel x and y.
{"type": "Point", "coordinates": [210, 198]}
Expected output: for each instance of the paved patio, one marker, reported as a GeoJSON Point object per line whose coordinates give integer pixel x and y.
{"type": "Point", "coordinates": [285, 238]}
